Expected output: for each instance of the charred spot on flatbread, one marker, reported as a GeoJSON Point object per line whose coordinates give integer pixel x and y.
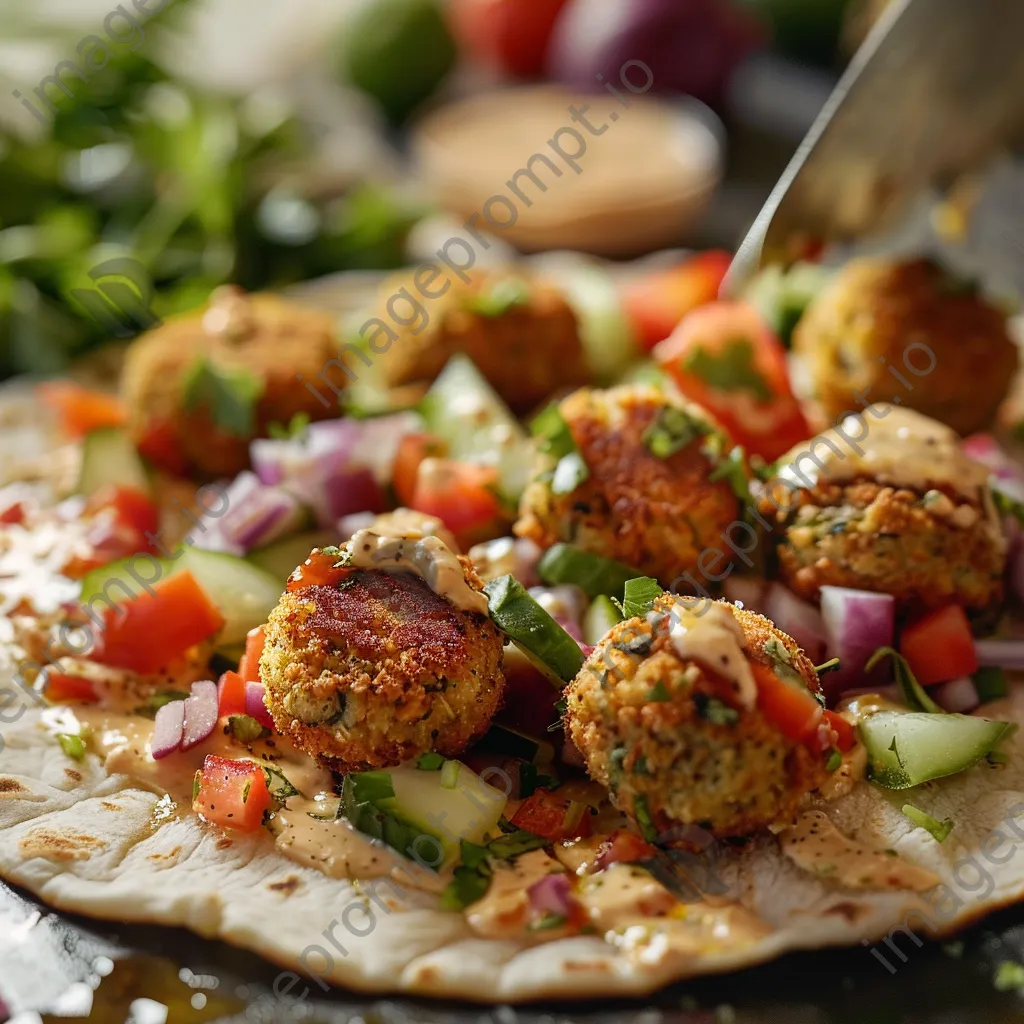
{"type": "Point", "coordinates": [9, 787]}
{"type": "Point", "coordinates": [286, 885]}
{"type": "Point", "coordinates": [55, 846]}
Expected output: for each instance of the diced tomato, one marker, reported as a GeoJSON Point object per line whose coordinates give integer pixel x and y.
{"type": "Point", "coordinates": [122, 516]}
{"type": "Point", "coordinates": [508, 34]}
{"type": "Point", "coordinates": [148, 632]}
{"type": "Point", "coordinates": [13, 514]}
{"type": "Point", "coordinates": [939, 646]}
{"type": "Point", "coordinates": [62, 689]}
{"type": "Point", "coordinates": [846, 736]}
{"type": "Point", "coordinates": [547, 814]}
{"type": "Point", "coordinates": [790, 706]}
{"type": "Point", "coordinates": [412, 450]}
{"type": "Point", "coordinates": [319, 570]}
{"type": "Point", "coordinates": [723, 357]}
{"type": "Point", "coordinates": [656, 302]}
{"type": "Point", "coordinates": [462, 496]}
{"type": "Point", "coordinates": [230, 694]}
{"type": "Point", "coordinates": [232, 794]}
{"type": "Point", "coordinates": [81, 409]}
{"type": "Point", "coordinates": [622, 847]}
{"type": "Point", "coordinates": [249, 666]}
{"type": "Point", "coordinates": [161, 445]}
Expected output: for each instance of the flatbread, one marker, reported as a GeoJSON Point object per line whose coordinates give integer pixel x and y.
{"type": "Point", "coordinates": [92, 843]}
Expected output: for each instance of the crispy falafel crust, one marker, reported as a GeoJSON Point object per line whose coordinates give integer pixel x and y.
{"type": "Point", "coordinates": [657, 515]}
{"type": "Point", "coordinates": [380, 670]}
{"type": "Point", "coordinates": [868, 536]}
{"type": "Point", "coordinates": [734, 778]}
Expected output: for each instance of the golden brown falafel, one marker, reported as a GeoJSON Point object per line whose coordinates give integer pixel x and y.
{"type": "Point", "coordinates": [380, 669]}
{"type": "Point", "coordinates": [259, 347]}
{"type": "Point", "coordinates": [518, 330]}
{"type": "Point", "coordinates": [656, 513]}
{"type": "Point", "coordinates": [886, 330]}
{"type": "Point", "coordinates": [674, 739]}
{"type": "Point", "coordinates": [912, 517]}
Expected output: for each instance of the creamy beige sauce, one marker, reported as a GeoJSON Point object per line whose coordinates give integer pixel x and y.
{"type": "Point", "coordinates": [505, 909]}
{"type": "Point", "coordinates": [816, 845]}
{"type": "Point", "coordinates": [425, 556]}
{"type": "Point", "coordinates": [901, 448]}
{"type": "Point", "coordinates": [713, 638]}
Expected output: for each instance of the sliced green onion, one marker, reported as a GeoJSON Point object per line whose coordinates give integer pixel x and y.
{"type": "Point", "coordinates": [639, 596]}
{"type": "Point", "coordinates": [72, 744]}
{"type": "Point", "coordinates": [430, 762]}
{"type": "Point", "coordinates": [938, 829]}
{"type": "Point", "coordinates": [593, 574]}
{"type": "Point", "coordinates": [552, 432]}
{"type": "Point", "coordinates": [450, 774]}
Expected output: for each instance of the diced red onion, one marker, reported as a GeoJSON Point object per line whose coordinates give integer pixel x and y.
{"type": "Point", "coordinates": [1000, 653]}
{"type": "Point", "coordinates": [798, 619]}
{"type": "Point", "coordinates": [168, 729]}
{"type": "Point", "coordinates": [201, 713]}
{"type": "Point", "coordinates": [857, 623]}
{"type": "Point", "coordinates": [256, 514]}
{"type": "Point", "coordinates": [256, 705]}
{"type": "Point", "coordinates": [349, 490]}
{"type": "Point", "coordinates": [748, 591]}
{"type": "Point", "coordinates": [958, 695]}
{"type": "Point", "coordinates": [551, 894]}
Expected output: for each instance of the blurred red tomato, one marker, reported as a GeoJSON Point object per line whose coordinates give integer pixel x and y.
{"type": "Point", "coordinates": [512, 35]}
{"type": "Point", "coordinates": [656, 302]}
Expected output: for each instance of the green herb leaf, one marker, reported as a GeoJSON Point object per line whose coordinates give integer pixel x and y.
{"type": "Point", "coordinates": [659, 694]}
{"type": "Point", "coordinates": [246, 729]}
{"type": "Point", "coordinates": [642, 812]}
{"type": "Point", "coordinates": [990, 682]}
{"type": "Point", "coordinates": [939, 829]}
{"type": "Point", "coordinates": [570, 472]}
{"type": "Point", "coordinates": [531, 779]}
{"type": "Point", "coordinates": [430, 762]}
{"type": "Point", "coordinates": [72, 744]}
{"type": "Point", "coordinates": [552, 432]}
{"type": "Point", "coordinates": [672, 430]}
{"type": "Point", "coordinates": [835, 759]}
{"type": "Point", "coordinates": [912, 692]}
{"type": "Point", "coordinates": [712, 710]}
{"type": "Point", "coordinates": [154, 703]}
{"type": "Point", "coordinates": [639, 596]}
{"type": "Point", "coordinates": [279, 787]}
{"type": "Point", "coordinates": [513, 844]}
{"type": "Point", "coordinates": [732, 468]}
{"type": "Point", "coordinates": [500, 298]}
{"type": "Point", "coordinates": [730, 369]}
{"type": "Point", "coordinates": [230, 395]}
{"type": "Point", "coordinates": [466, 887]}
{"type": "Point", "coordinates": [296, 427]}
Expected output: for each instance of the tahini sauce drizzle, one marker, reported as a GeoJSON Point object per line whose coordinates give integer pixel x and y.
{"type": "Point", "coordinates": [712, 637]}
{"type": "Point", "coordinates": [424, 556]}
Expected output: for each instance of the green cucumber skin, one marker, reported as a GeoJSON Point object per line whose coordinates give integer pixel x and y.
{"type": "Point", "coordinates": [594, 575]}
{"type": "Point", "coordinates": [878, 731]}
{"type": "Point", "coordinates": [602, 616]}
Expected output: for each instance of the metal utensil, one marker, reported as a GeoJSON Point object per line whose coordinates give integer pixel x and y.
{"type": "Point", "coordinates": [936, 89]}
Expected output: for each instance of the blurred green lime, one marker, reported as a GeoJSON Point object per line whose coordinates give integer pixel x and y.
{"type": "Point", "coordinates": [398, 51]}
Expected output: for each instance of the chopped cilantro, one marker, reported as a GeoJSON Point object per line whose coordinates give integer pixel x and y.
{"type": "Point", "coordinates": [939, 829]}
{"type": "Point", "coordinates": [642, 812]}
{"type": "Point", "coordinates": [230, 395]}
{"type": "Point", "coordinates": [552, 432]}
{"type": "Point", "coordinates": [731, 468]}
{"type": "Point", "coordinates": [659, 693]}
{"type": "Point", "coordinates": [500, 298]}
{"type": "Point", "coordinates": [639, 596]}
{"type": "Point", "coordinates": [730, 369]}
{"type": "Point", "coordinates": [72, 744]}
{"type": "Point", "coordinates": [468, 885]}
{"type": "Point", "coordinates": [280, 788]}
{"type": "Point", "coordinates": [672, 430]}
{"type": "Point", "coordinates": [712, 710]}
{"type": "Point", "coordinates": [430, 762]}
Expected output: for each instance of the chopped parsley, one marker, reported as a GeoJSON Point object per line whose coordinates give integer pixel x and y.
{"type": "Point", "coordinates": [938, 829]}
{"type": "Point", "coordinates": [470, 880]}
{"type": "Point", "coordinates": [672, 430]}
{"type": "Point", "coordinates": [639, 596]}
{"type": "Point", "coordinates": [555, 438]}
{"type": "Point", "coordinates": [279, 787]}
{"type": "Point", "coordinates": [729, 369]}
{"type": "Point", "coordinates": [731, 468]}
{"type": "Point", "coordinates": [712, 710]}
{"type": "Point", "coordinates": [642, 812]}
{"type": "Point", "coordinates": [230, 395]}
{"type": "Point", "coordinates": [72, 744]}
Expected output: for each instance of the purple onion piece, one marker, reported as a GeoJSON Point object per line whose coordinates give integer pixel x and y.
{"type": "Point", "coordinates": [551, 894]}
{"type": "Point", "coordinates": [200, 714]}
{"type": "Point", "coordinates": [168, 729]}
{"type": "Point", "coordinates": [256, 705]}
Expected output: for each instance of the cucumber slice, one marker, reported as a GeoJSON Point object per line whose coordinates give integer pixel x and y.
{"type": "Point", "coordinates": [600, 618]}
{"type": "Point", "coordinates": [109, 456]}
{"type": "Point", "coordinates": [533, 631]}
{"type": "Point", "coordinates": [593, 574]}
{"type": "Point", "coordinates": [244, 593]}
{"type": "Point", "coordinates": [466, 412]}
{"type": "Point", "coordinates": [905, 750]}
{"type": "Point", "coordinates": [281, 557]}
{"type": "Point", "coordinates": [400, 805]}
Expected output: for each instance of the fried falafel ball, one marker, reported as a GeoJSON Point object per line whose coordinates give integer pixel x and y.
{"type": "Point", "coordinates": [201, 386]}
{"type": "Point", "coordinates": [881, 325]}
{"type": "Point", "coordinates": [518, 330]}
{"type": "Point", "coordinates": [365, 668]}
{"type": "Point", "coordinates": [656, 495]}
{"type": "Point", "coordinates": [666, 713]}
{"type": "Point", "coordinates": [912, 516]}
